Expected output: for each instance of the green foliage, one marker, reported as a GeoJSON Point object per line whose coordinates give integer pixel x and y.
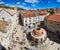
{"type": "Point", "coordinates": [51, 11]}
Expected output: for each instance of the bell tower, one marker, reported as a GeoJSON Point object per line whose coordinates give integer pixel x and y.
{"type": "Point", "coordinates": [15, 7]}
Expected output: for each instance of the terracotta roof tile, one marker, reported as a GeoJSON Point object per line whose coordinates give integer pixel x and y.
{"type": "Point", "coordinates": [38, 32]}
{"type": "Point", "coordinates": [54, 17]}
{"type": "Point", "coordinates": [32, 13]}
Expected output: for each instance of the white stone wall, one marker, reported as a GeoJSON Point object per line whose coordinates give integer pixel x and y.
{"type": "Point", "coordinates": [5, 15]}
{"type": "Point", "coordinates": [52, 25]}
{"type": "Point", "coordinates": [33, 20]}
{"type": "Point", "coordinates": [29, 21]}
{"type": "Point", "coordinates": [12, 21]}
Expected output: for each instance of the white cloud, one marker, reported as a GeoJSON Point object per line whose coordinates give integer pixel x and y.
{"type": "Point", "coordinates": [36, 3]}
{"type": "Point", "coordinates": [32, 1]}
{"type": "Point", "coordinates": [11, 5]}
{"type": "Point", "coordinates": [58, 0]}
{"type": "Point", "coordinates": [24, 7]}
{"type": "Point", "coordinates": [2, 2]}
{"type": "Point", "coordinates": [7, 4]}
{"type": "Point", "coordinates": [20, 6]}
{"type": "Point", "coordinates": [33, 5]}
{"type": "Point", "coordinates": [27, 8]}
{"type": "Point", "coordinates": [18, 2]}
{"type": "Point", "coordinates": [24, 3]}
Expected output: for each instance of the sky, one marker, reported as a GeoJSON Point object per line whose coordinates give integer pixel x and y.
{"type": "Point", "coordinates": [32, 4]}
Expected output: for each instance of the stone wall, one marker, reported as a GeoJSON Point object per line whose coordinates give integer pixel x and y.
{"type": "Point", "coordinates": [52, 26]}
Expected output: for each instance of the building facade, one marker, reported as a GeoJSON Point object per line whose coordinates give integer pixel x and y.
{"type": "Point", "coordinates": [52, 22]}
{"type": "Point", "coordinates": [8, 22]}
{"type": "Point", "coordinates": [31, 18]}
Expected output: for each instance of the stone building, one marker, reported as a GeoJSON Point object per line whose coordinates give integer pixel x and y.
{"type": "Point", "coordinates": [31, 18]}
{"type": "Point", "coordinates": [8, 22]}
{"type": "Point", "coordinates": [52, 22]}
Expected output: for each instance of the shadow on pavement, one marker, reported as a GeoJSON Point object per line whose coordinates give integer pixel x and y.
{"type": "Point", "coordinates": [51, 35]}
{"type": "Point", "coordinates": [2, 47]}
{"type": "Point", "coordinates": [54, 37]}
{"type": "Point", "coordinates": [28, 36]}
{"type": "Point", "coordinates": [32, 43]}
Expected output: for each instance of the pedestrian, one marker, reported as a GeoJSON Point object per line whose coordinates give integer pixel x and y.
{"type": "Point", "coordinates": [17, 38]}
{"type": "Point", "coordinates": [58, 49]}
{"type": "Point", "coordinates": [8, 48]}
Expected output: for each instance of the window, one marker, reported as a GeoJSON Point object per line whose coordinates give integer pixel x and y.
{"type": "Point", "coordinates": [58, 24]}
{"type": "Point", "coordinates": [3, 18]}
{"type": "Point", "coordinates": [30, 20]}
{"type": "Point", "coordinates": [26, 21]}
{"type": "Point", "coordinates": [26, 24]}
{"type": "Point", "coordinates": [29, 26]}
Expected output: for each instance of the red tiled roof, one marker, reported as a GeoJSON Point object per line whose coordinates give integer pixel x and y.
{"type": "Point", "coordinates": [54, 17]}
{"type": "Point", "coordinates": [38, 32]}
{"type": "Point", "coordinates": [32, 13]}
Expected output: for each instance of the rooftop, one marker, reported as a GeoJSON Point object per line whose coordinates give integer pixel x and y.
{"type": "Point", "coordinates": [32, 13]}
{"type": "Point", "coordinates": [10, 11]}
{"type": "Point", "coordinates": [39, 32]}
{"type": "Point", "coordinates": [2, 25]}
{"type": "Point", "coordinates": [54, 17]}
